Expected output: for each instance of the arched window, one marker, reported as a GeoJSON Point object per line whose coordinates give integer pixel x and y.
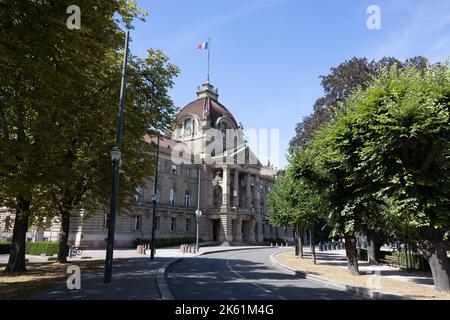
{"type": "Point", "coordinates": [217, 197]}
{"type": "Point", "coordinates": [187, 199]}
{"type": "Point", "coordinates": [172, 196]}
{"type": "Point", "coordinates": [223, 129]}
{"type": "Point", "coordinates": [188, 127]}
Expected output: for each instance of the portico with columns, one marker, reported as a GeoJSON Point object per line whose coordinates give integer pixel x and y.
{"type": "Point", "coordinates": [231, 199]}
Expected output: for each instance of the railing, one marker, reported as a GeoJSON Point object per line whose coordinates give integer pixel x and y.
{"type": "Point", "coordinates": [149, 204]}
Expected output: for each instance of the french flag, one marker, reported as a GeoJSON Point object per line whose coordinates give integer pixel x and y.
{"type": "Point", "coordinates": [203, 46]}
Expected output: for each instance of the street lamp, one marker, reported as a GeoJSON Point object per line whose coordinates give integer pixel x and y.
{"type": "Point", "coordinates": [154, 199]}
{"type": "Point", "coordinates": [116, 159]}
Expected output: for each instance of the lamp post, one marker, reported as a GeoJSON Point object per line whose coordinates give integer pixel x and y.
{"type": "Point", "coordinates": [116, 159]}
{"type": "Point", "coordinates": [154, 199]}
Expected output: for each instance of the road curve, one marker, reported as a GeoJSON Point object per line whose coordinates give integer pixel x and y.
{"type": "Point", "coordinates": [243, 275]}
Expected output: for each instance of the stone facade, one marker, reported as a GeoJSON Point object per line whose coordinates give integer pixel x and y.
{"type": "Point", "coordinates": [232, 193]}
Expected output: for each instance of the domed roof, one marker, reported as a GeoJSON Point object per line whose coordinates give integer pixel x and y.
{"type": "Point", "coordinates": [216, 110]}
{"type": "Point", "coordinates": [207, 102]}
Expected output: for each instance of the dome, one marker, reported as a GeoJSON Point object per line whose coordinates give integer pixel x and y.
{"type": "Point", "coordinates": [207, 102]}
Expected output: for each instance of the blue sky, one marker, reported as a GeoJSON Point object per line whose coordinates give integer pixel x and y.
{"type": "Point", "coordinates": [267, 55]}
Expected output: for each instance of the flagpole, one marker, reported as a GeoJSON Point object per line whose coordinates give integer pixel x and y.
{"type": "Point", "coordinates": [209, 56]}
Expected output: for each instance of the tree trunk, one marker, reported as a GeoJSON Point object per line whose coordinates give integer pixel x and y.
{"type": "Point", "coordinates": [373, 247]}
{"type": "Point", "coordinates": [352, 255]}
{"type": "Point", "coordinates": [437, 258]}
{"type": "Point", "coordinates": [313, 248]}
{"type": "Point", "coordinates": [300, 242]}
{"type": "Point", "coordinates": [296, 240]}
{"type": "Point", "coordinates": [63, 250]}
{"type": "Point", "coordinates": [16, 262]}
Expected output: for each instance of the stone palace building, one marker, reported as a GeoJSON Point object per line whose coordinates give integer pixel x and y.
{"type": "Point", "coordinates": [229, 185]}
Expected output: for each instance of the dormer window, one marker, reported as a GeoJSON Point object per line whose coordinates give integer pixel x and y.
{"type": "Point", "coordinates": [188, 127]}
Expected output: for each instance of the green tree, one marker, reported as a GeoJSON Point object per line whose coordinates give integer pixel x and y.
{"type": "Point", "coordinates": [338, 85]}
{"type": "Point", "coordinates": [44, 67]}
{"type": "Point", "coordinates": [148, 108]}
{"type": "Point", "coordinates": [293, 203]}
{"type": "Point", "coordinates": [403, 120]}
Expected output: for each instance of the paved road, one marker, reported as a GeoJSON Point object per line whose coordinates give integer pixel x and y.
{"type": "Point", "coordinates": [242, 275]}
{"type": "Point", "coordinates": [133, 279]}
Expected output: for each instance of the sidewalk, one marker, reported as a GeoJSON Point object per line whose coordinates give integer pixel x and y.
{"type": "Point", "coordinates": [172, 252]}
{"type": "Point", "coordinates": [331, 268]}
{"type": "Point", "coordinates": [133, 279]}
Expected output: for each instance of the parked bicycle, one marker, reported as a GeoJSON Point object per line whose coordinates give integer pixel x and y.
{"type": "Point", "coordinates": [75, 251]}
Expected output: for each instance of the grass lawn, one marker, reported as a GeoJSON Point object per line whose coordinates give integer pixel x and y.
{"type": "Point", "coordinates": [39, 276]}
{"type": "Point", "coordinates": [378, 283]}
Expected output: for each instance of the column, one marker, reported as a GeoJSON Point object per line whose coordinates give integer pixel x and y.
{"type": "Point", "coordinates": [259, 236]}
{"type": "Point", "coordinates": [252, 230]}
{"type": "Point", "coordinates": [248, 200]}
{"type": "Point", "coordinates": [236, 189]}
{"type": "Point", "coordinates": [256, 198]}
{"type": "Point", "coordinates": [225, 189]}
{"type": "Point", "coordinates": [238, 227]}
{"type": "Point", "coordinates": [210, 188]}
{"type": "Point", "coordinates": [226, 234]}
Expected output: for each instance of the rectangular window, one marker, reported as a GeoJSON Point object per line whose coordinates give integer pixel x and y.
{"type": "Point", "coordinates": [188, 224]}
{"type": "Point", "coordinates": [157, 194]}
{"type": "Point", "coordinates": [173, 223]}
{"type": "Point", "coordinates": [187, 200]}
{"type": "Point", "coordinates": [174, 169]}
{"type": "Point", "coordinates": [137, 223]}
{"type": "Point", "coordinates": [138, 195]}
{"type": "Point", "coordinates": [172, 196]}
{"type": "Point", "coordinates": [156, 223]}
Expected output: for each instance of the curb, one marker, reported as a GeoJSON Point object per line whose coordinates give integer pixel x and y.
{"type": "Point", "coordinates": [360, 291]}
{"type": "Point", "coordinates": [161, 282]}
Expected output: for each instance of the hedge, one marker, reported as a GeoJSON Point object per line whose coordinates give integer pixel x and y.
{"type": "Point", "coordinates": [166, 242]}
{"type": "Point", "coordinates": [415, 261]}
{"type": "Point", "coordinates": [5, 248]}
{"type": "Point", "coordinates": [38, 248]}
{"type": "Point", "coordinates": [363, 254]}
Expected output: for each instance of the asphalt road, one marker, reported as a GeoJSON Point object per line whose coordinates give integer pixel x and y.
{"type": "Point", "coordinates": [243, 275]}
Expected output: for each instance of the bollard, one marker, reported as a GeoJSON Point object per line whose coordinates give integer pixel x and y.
{"type": "Point", "coordinates": [184, 248]}
{"type": "Point", "coordinates": [271, 244]}
{"type": "Point", "coordinates": [277, 244]}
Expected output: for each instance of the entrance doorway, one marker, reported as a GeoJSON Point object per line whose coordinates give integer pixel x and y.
{"type": "Point", "coordinates": [215, 229]}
